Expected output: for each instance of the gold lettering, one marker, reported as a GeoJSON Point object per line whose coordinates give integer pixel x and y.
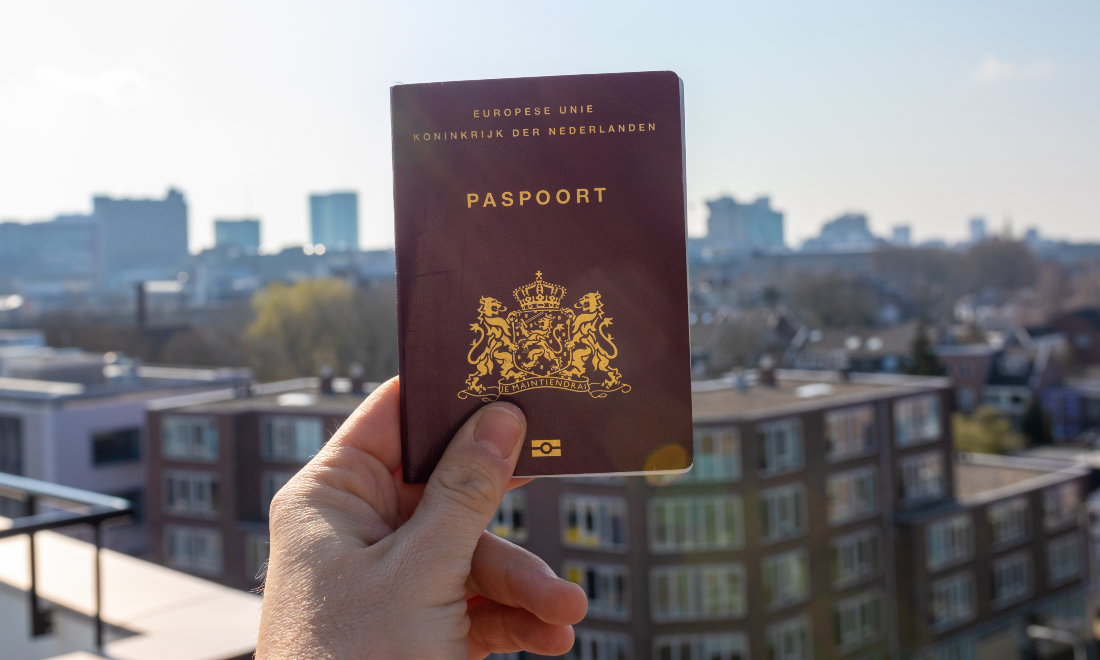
{"type": "Point", "coordinates": [473, 134]}
{"type": "Point", "coordinates": [546, 110]}
{"type": "Point", "coordinates": [611, 128]}
{"type": "Point", "coordinates": [506, 199]}
{"type": "Point", "coordinates": [572, 130]}
{"type": "Point", "coordinates": [590, 108]}
{"type": "Point", "coordinates": [558, 196]}
{"type": "Point", "coordinates": [454, 136]}
{"type": "Point", "coordinates": [462, 135]}
{"type": "Point", "coordinates": [475, 113]}
{"type": "Point", "coordinates": [538, 197]}
{"type": "Point", "coordinates": [523, 196]}
{"type": "Point", "coordinates": [416, 137]}
{"type": "Point", "coordinates": [582, 192]}
{"type": "Point", "coordinates": [516, 111]}
{"type": "Point", "coordinates": [641, 128]}
{"type": "Point", "coordinates": [630, 127]}
{"type": "Point", "coordinates": [622, 129]}
{"type": "Point", "coordinates": [499, 134]}
{"type": "Point", "coordinates": [471, 199]}
{"type": "Point", "coordinates": [435, 135]}
{"type": "Point", "coordinates": [591, 129]}
{"type": "Point", "coordinates": [562, 109]}
{"type": "Point", "coordinates": [572, 109]}
{"type": "Point", "coordinates": [507, 112]}
{"type": "Point", "coordinates": [427, 136]}
{"type": "Point", "coordinates": [601, 130]}
{"type": "Point", "coordinates": [515, 132]}
{"type": "Point", "coordinates": [496, 113]}
{"type": "Point", "coordinates": [535, 131]}
{"type": "Point", "coordinates": [552, 131]}
{"type": "Point", "coordinates": [561, 131]}
{"type": "Point", "coordinates": [582, 130]}
{"type": "Point", "coordinates": [599, 192]}
{"type": "Point", "coordinates": [527, 111]}
{"type": "Point", "coordinates": [538, 111]}
{"type": "Point", "coordinates": [527, 133]}
{"type": "Point", "coordinates": [653, 127]}
{"type": "Point", "coordinates": [489, 200]}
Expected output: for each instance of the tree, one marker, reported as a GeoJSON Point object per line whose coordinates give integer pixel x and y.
{"type": "Point", "coordinates": [1001, 264]}
{"type": "Point", "coordinates": [985, 431]}
{"type": "Point", "coordinates": [1036, 423]}
{"type": "Point", "coordinates": [924, 362]}
{"type": "Point", "coordinates": [834, 300]}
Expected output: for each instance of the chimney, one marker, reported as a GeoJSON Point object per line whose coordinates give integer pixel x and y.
{"type": "Point", "coordinates": [765, 375]}
{"type": "Point", "coordinates": [139, 290]}
{"type": "Point", "coordinates": [355, 372]}
{"type": "Point", "coordinates": [326, 379]}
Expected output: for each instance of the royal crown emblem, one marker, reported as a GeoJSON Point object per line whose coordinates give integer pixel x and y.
{"type": "Point", "coordinates": [542, 344]}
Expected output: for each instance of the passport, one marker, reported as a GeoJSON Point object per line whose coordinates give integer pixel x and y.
{"type": "Point", "coordinates": [542, 260]}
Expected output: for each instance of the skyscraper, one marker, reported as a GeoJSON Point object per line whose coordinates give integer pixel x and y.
{"type": "Point", "coordinates": [243, 233]}
{"type": "Point", "coordinates": [903, 236]}
{"type": "Point", "coordinates": [334, 220]}
{"type": "Point", "coordinates": [977, 230]}
{"type": "Point", "coordinates": [140, 239]}
{"type": "Point", "coordinates": [742, 227]}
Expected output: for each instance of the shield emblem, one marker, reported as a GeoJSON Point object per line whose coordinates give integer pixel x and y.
{"type": "Point", "coordinates": [540, 337]}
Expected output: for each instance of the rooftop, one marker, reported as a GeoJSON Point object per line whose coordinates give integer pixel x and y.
{"type": "Point", "coordinates": [985, 477]}
{"type": "Point", "coordinates": [798, 391]}
{"type": "Point", "coordinates": [156, 613]}
{"type": "Point", "coordinates": [303, 394]}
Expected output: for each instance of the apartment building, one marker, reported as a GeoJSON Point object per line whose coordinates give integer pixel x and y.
{"type": "Point", "coordinates": [824, 518]}
{"type": "Point", "coordinates": [215, 463]}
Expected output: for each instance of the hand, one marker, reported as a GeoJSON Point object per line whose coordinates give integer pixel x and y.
{"type": "Point", "coordinates": [365, 566]}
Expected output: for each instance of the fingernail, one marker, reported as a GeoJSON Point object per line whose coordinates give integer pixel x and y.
{"type": "Point", "coordinates": [497, 432]}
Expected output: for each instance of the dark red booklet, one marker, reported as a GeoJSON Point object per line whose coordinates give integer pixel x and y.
{"type": "Point", "coordinates": [542, 260]}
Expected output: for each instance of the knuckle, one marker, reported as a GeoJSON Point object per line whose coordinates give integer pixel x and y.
{"type": "Point", "coordinates": [471, 485]}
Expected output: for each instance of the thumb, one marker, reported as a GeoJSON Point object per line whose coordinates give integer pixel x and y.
{"type": "Point", "coordinates": [469, 482]}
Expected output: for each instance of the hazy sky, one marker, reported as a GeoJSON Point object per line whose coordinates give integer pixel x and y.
{"type": "Point", "coordinates": [922, 112]}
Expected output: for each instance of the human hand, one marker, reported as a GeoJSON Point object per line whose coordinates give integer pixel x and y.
{"type": "Point", "coordinates": [365, 566]}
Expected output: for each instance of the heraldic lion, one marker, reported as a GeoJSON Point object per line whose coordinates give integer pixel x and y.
{"type": "Point", "coordinates": [587, 342]}
{"type": "Point", "coordinates": [493, 344]}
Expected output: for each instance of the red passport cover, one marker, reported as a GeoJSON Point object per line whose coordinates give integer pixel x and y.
{"type": "Point", "coordinates": [542, 260]}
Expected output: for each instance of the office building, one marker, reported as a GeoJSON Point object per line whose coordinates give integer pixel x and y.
{"type": "Point", "coordinates": [78, 419]}
{"type": "Point", "coordinates": [736, 227]}
{"type": "Point", "coordinates": [58, 250]}
{"type": "Point", "coordinates": [846, 233]}
{"type": "Point", "coordinates": [977, 230]}
{"type": "Point", "coordinates": [824, 518]}
{"type": "Point", "coordinates": [902, 236]}
{"type": "Point", "coordinates": [243, 234]}
{"type": "Point", "coordinates": [334, 221]}
{"type": "Point", "coordinates": [215, 463]}
{"type": "Point", "coordinates": [140, 239]}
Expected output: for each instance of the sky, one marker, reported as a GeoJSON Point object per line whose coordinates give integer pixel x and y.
{"type": "Point", "coordinates": [923, 113]}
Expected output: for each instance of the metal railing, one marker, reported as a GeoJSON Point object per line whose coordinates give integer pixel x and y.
{"type": "Point", "coordinates": [74, 507]}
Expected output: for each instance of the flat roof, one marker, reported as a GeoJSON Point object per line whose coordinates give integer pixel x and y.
{"type": "Point", "coordinates": [301, 395]}
{"type": "Point", "coordinates": [798, 391]}
{"type": "Point", "coordinates": [148, 380]}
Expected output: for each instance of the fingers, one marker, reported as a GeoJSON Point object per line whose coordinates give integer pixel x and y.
{"type": "Point", "coordinates": [375, 427]}
{"type": "Point", "coordinates": [468, 483]}
{"type": "Point", "coordinates": [514, 577]}
{"type": "Point", "coordinates": [496, 628]}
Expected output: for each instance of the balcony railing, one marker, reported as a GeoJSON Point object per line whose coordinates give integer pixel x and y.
{"type": "Point", "coordinates": [71, 506]}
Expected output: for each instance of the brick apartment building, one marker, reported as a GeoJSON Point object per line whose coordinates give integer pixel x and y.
{"type": "Point", "coordinates": [823, 518]}
{"type": "Point", "coordinates": [215, 462]}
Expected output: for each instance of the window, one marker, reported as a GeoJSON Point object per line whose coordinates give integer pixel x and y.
{"type": "Point", "coordinates": [118, 446]}
{"type": "Point", "coordinates": [1011, 582]}
{"type": "Point", "coordinates": [1064, 561]}
{"type": "Point", "coordinates": [964, 396]}
{"type": "Point", "coordinates": [849, 433]}
{"type": "Point", "coordinates": [856, 557]}
{"type": "Point", "coordinates": [190, 493]}
{"type": "Point", "coordinates": [780, 446]}
{"type": "Point", "coordinates": [1008, 522]}
{"type": "Point", "coordinates": [851, 495]}
{"type": "Point", "coordinates": [290, 439]}
{"type": "Point", "coordinates": [188, 438]}
{"type": "Point", "coordinates": [194, 549]}
{"type": "Point", "coordinates": [594, 522]}
{"type": "Point", "coordinates": [783, 512]}
{"type": "Point", "coordinates": [917, 420]}
{"type": "Point", "coordinates": [952, 601]}
{"type": "Point", "coordinates": [11, 445]}
{"type": "Point", "coordinates": [686, 524]}
{"type": "Point", "coordinates": [1069, 610]}
{"type": "Point", "coordinates": [922, 477]}
{"type": "Point", "coordinates": [786, 578]}
{"type": "Point", "coordinates": [607, 587]}
{"type": "Point", "coordinates": [510, 521]}
{"type": "Point", "coordinates": [698, 592]}
{"type": "Point", "coordinates": [599, 645]}
{"type": "Point", "coordinates": [1060, 505]}
{"type": "Point", "coordinates": [949, 541]}
{"type": "Point", "coordinates": [270, 484]}
{"type": "Point", "coordinates": [256, 551]}
{"type": "Point", "coordinates": [790, 640]}
{"type": "Point", "coordinates": [858, 620]}
{"type": "Point", "coordinates": [717, 456]}
{"type": "Point", "coordinates": [701, 646]}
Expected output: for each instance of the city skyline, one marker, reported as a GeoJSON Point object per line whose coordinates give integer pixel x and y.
{"type": "Point", "coordinates": [923, 116]}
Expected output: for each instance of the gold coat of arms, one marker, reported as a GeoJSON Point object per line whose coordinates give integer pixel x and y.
{"type": "Point", "coordinates": [542, 344]}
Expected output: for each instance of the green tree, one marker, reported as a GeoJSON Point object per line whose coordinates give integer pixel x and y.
{"type": "Point", "coordinates": [985, 431]}
{"type": "Point", "coordinates": [1036, 423]}
{"type": "Point", "coordinates": [924, 362]}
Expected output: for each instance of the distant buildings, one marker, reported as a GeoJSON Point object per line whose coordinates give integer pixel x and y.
{"type": "Point", "coordinates": [902, 236]}
{"type": "Point", "coordinates": [56, 251]}
{"type": "Point", "coordinates": [847, 233]}
{"type": "Point", "coordinates": [140, 239]}
{"type": "Point", "coordinates": [334, 221]}
{"type": "Point", "coordinates": [243, 234]}
{"type": "Point", "coordinates": [734, 227]}
{"type": "Point", "coordinates": [977, 230]}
